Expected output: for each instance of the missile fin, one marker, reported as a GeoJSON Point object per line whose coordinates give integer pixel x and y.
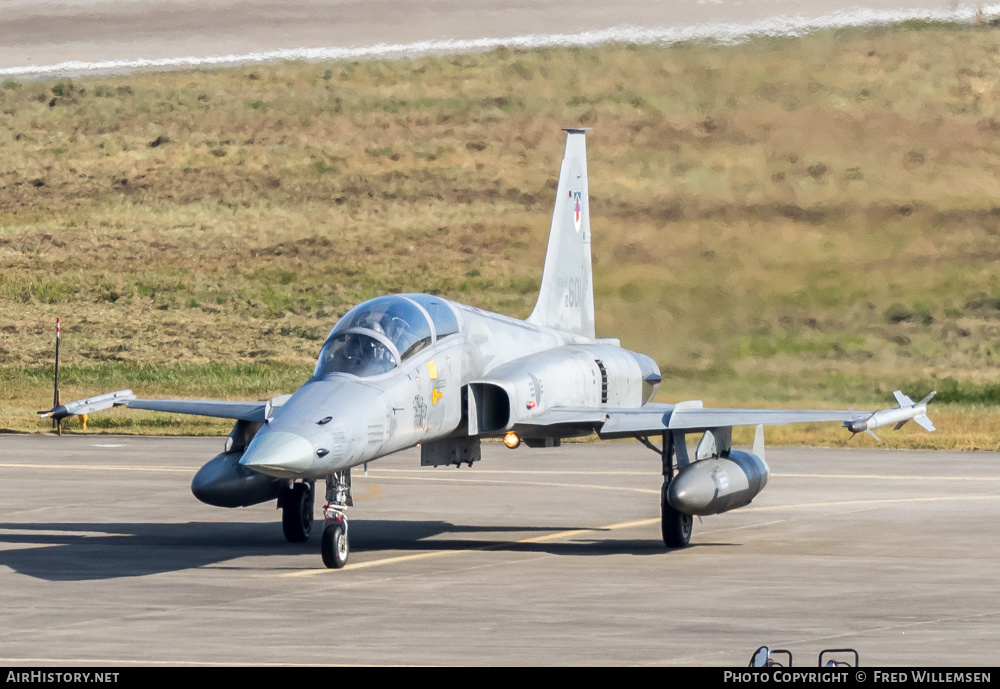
{"type": "Point", "coordinates": [758, 441]}
{"type": "Point", "coordinates": [903, 400]}
{"type": "Point", "coordinates": [872, 434]}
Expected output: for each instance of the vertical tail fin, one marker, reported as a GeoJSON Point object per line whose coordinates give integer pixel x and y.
{"type": "Point", "coordinates": [566, 299]}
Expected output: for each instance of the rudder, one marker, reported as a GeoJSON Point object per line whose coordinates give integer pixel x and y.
{"type": "Point", "coordinates": [566, 298]}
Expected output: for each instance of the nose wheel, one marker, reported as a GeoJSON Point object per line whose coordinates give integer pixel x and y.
{"type": "Point", "coordinates": [335, 547]}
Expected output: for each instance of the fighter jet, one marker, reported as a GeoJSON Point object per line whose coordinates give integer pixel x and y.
{"type": "Point", "coordinates": [416, 369]}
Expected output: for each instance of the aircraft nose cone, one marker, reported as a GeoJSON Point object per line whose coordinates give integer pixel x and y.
{"type": "Point", "coordinates": [279, 453]}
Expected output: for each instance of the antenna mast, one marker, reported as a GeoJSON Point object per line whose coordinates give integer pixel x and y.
{"type": "Point", "coordinates": [57, 423]}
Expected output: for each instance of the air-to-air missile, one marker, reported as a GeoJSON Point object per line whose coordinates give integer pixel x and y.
{"type": "Point", "coordinates": [90, 405]}
{"type": "Point", "coordinates": [907, 410]}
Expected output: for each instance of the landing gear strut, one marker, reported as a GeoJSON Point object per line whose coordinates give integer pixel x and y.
{"type": "Point", "coordinates": [297, 502]}
{"type": "Point", "coordinates": [675, 526]}
{"type": "Point", "coordinates": [335, 545]}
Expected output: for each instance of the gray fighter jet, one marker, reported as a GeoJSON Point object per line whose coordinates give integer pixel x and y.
{"type": "Point", "coordinates": [416, 369]}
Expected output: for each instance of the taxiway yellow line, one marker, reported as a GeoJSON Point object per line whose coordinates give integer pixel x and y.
{"type": "Point", "coordinates": [559, 535]}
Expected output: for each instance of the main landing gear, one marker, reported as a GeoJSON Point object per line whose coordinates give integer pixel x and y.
{"type": "Point", "coordinates": [335, 546]}
{"type": "Point", "coordinates": [675, 526]}
{"type": "Point", "coordinates": [297, 502]}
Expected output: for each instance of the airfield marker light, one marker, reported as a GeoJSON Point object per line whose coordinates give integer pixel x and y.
{"type": "Point", "coordinates": [511, 440]}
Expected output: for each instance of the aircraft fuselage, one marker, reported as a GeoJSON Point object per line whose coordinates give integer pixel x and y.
{"type": "Point", "coordinates": [512, 371]}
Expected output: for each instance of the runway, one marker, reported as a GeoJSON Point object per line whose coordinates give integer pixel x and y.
{"type": "Point", "coordinates": [70, 37]}
{"type": "Point", "coordinates": [532, 557]}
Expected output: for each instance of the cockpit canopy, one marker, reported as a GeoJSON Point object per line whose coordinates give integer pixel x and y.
{"type": "Point", "coordinates": [376, 336]}
{"type": "Point", "coordinates": [396, 317]}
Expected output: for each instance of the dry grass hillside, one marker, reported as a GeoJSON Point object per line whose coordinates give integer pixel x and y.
{"type": "Point", "coordinates": [809, 220]}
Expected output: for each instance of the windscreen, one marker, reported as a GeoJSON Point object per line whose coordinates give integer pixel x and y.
{"type": "Point", "coordinates": [354, 353]}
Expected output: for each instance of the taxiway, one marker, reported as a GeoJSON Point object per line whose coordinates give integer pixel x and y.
{"type": "Point", "coordinates": [531, 557]}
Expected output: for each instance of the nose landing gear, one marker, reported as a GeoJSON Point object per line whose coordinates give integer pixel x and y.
{"type": "Point", "coordinates": [335, 546]}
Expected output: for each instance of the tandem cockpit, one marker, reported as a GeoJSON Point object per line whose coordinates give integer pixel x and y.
{"type": "Point", "coordinates": [379, 335]}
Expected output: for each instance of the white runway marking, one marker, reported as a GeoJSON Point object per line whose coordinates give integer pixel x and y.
{"type": "Point", "coordinates": [724, 32]}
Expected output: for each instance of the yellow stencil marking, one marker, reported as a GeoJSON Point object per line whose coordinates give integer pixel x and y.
{"type": "Point", "coordinates": [435, 396]}
{"type": "Point", "coordinates": [433, 369]}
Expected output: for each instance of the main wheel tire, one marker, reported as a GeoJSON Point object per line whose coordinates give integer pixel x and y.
{"type": "Point", "coordinates": [335, 548]}
{"type": "Point", "coordinates": [297, 513]}
{"type": "Point", "coordinates": [675, 526]}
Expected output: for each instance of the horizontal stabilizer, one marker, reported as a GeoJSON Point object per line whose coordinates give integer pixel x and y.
{"type": "Point", "coordinates": [901, 399]}
{"type": "Point", "coordinates": [924, 422]}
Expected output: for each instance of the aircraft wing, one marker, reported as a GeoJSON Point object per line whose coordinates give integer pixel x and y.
{"type": "Point", "coordinates": [245, 411]}
{"type": "Point", "coordinates": [223, 409]}
{"type": "Point", "coordinates": [685, 416]}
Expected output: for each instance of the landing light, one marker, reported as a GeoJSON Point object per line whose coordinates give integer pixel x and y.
{"type": "Point", "coordinates": [511, 440]}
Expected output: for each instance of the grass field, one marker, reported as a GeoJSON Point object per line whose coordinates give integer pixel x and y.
{"type": "Point", "coordinates": [796, 221]}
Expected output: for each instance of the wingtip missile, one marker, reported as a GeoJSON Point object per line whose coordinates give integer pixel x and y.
{"type": "Point", "coordinates": [89, 405]}
{"type": "Point", "coordinates": [907, 411]}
